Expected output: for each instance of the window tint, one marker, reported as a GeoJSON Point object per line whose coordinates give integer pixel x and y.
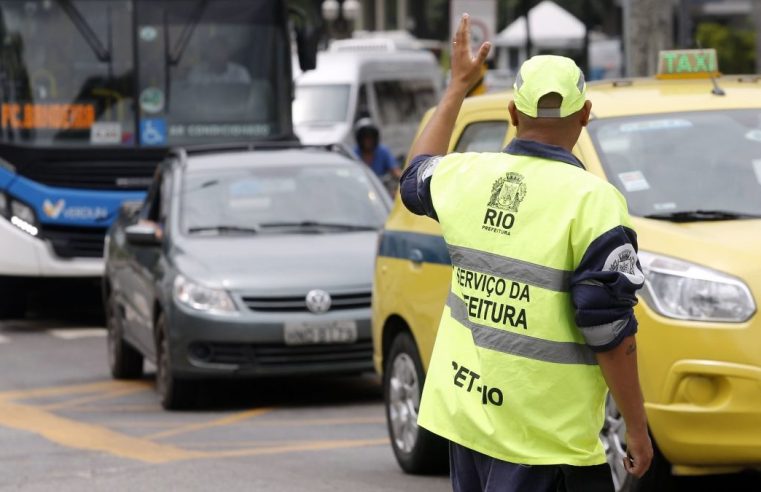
{"type": "Point", "coordinates": [484, 136]}
{"type": "Point", "coordinates": [404, 101]}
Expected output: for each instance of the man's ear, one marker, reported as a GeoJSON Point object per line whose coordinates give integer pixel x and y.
{"type": "Point", "coordinates": [513, 113]}
{"type": "Point", "coordinates": [586, 112]}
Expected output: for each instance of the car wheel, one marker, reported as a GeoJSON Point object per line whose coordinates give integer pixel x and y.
{"type": "Point", "coordinates": [124, 360]}
{"type": "Point", "coordinates": [416, 449]}
{"type": "Point", "coordinates": [13, 301]}
{"type": "Point", "coordinates": [657, 479]}
{"type": "Point", "coordinates": [174, 393]}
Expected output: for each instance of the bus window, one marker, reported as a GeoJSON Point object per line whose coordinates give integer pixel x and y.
{"type": "Point", "coordinates": [65, 72]}
{"type": "Point", "coordinates": [211, 70]}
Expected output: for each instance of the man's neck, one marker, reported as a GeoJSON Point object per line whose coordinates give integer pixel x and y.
{"type": "Point", "coordinates": [543, 137]}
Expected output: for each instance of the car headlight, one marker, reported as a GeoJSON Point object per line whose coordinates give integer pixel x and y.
{"type": "Point", "coordinates": [200, 298]}
{"type": "Point", "coordinates": [682, 290]}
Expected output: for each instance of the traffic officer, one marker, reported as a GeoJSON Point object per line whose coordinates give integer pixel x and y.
{"type": "Point", "coordinates": [545, 270]}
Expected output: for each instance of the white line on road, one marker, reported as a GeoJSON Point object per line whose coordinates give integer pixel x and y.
{"type": "Point", "coordinates": [77, 333]}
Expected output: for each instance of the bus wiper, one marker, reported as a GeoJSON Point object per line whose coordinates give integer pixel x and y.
{"type": "Point", "coordinates": [224, 228]}
{"type": "Point", "coordinates": [314, 223]}
{"type": "Point", "coordinates": [101, 52]}
{"type": "Point", "coordinates": [172, 57]}
{"type": "Point", "coordinates": [702, 215]}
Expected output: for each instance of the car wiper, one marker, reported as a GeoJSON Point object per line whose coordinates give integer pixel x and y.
{"type": "Point", "coordinates": [224, 229]}
{"type": "Point", "coordinates": [313, 223]}
{"type": "Point", "coordinates": [702, 215]}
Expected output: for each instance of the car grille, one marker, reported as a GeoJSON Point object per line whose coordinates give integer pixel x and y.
{"type": "Point", "coordinates": [271, 355]}
{"type": "Point", "coordinates": [93, 175]}
{"type": "Point", "coordinates": [75, 242]}
{"type": "Point", "coordinates": [294, 304]}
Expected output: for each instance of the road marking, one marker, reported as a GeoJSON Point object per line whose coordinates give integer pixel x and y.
{"type": "Point", "coordinates": [78, 435]}
{"type": "Point", "coordinates": [296, 448]}
{"type": "Point", "coordinates": [227, 420]}
{"type": "Point", "coordinates": [87, 399]}
{"type": "Point", "coordinates": [4, 339]}
{"type": "Point", "coordinates": [91, 437]}
{"type": "Point", "coordinates": [78, 333]}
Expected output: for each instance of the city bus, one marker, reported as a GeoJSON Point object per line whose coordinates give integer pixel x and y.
{"type": "Point", "coordinates": [94, 92]}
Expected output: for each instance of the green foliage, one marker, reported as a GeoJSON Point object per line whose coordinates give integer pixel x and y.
{"type": "Point", "coordinates": [735, 48]}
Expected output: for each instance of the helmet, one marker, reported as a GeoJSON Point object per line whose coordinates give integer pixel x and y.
{"type": "Point", "coordinates": [365, 127]}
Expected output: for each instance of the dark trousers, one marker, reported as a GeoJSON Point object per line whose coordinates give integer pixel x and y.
{"type": "Point", "coordinates": [474, 472]}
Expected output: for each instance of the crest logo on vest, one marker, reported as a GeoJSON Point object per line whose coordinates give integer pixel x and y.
{"type": "Point", "coordinates": [507, 193]}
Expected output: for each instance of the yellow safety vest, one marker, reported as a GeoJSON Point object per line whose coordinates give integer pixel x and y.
{"type": "Point", "coordinates": [510, 375]}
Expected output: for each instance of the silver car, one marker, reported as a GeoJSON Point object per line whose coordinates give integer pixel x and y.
{"type": "Point", "coordinates": [245, 263]}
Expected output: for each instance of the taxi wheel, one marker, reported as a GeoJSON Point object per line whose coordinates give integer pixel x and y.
{"type": "Point", "coordinates": [416, 449]}
{"type": "Point", "coordinates": [657, 479]}
{"type": "Point", "coordinates": [124, 360]}
{"type": "Point", "coordinates": [174, 393]}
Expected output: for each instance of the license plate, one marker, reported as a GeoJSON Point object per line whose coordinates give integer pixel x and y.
{"type": "Point", "coordinates": [312, 333]}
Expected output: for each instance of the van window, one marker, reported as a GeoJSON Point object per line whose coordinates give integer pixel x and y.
{"type": "Point", "coordinates": [363, 105]}
{"type": "Point", "coordinates": [404, 101]}
{"type": "Point", "coordinates": [483, 136]}
{"type": "Point", "coordinates": [321, 103]}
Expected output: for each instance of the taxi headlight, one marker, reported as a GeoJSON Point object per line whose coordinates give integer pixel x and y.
{"type": "Point", "coordinates": [682, 290]}
{"type": "Point", "coordinates": [200, 298]}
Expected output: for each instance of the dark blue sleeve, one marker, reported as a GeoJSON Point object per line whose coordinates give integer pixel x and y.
{"type": "Point", "coordinates": [604, 287]}
{"type": "Point", "coordinates": [415, 185]}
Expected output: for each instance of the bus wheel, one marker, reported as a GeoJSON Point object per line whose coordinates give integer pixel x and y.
{"type": "Point", "coordinates": [416, 449]}
{"type": "Point", "coordinates": [13, 300]}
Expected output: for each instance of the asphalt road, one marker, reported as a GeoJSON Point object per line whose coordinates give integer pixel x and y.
{"type": "Point", "coordinates": [66, 426]}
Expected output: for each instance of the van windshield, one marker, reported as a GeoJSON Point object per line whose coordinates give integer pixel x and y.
{"type": "Point", "coordinates": [321, 104]}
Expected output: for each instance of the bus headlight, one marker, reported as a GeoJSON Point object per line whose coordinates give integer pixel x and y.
{"type": "Point", "coordinates": [201, 298]}
{"type": "Point", "coordinates": [19, 214]}
{"type": "Point", "coordinates": [683, 290]}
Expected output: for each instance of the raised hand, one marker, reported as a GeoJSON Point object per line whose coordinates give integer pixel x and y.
{"type": "Point", "coordinates": [466, 69]}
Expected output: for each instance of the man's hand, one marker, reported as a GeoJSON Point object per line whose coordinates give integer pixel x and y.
{"type": "Point", "coordinates": [466, 69]}
{"type": "Point", "coordinates": [640, 451]}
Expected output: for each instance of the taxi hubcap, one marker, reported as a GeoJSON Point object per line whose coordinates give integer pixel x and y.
{"type": "Point", "coordinates": [614, 442]}
{"type": "Point", "coordinates": [404, 400]}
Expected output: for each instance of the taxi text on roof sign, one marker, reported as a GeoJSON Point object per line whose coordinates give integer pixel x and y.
{"type": "Point", "coordinates": [688, 64]}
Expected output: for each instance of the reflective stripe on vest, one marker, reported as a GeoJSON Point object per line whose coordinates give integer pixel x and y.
{"type": "Point", "coordinates": [516, 344]}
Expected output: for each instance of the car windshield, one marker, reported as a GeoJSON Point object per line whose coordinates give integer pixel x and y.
{"type": "Point", "coordinates": [142, 72]}
{"type": "Point", "coordinates": [285, 198]}
{"type": "Point", "coordinates": [320, 104]}
{"type": "Point", "coordinates": [683, 162]}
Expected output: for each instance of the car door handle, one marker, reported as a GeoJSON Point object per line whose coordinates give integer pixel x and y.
{"type": "Point", "coordinates": [416, 256]}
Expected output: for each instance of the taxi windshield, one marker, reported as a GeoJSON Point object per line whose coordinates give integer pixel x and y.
{"type": "Point", "coordinates": [684, 162]}
{"type": "Point", "coordinates": [280, 199]}
{"type": "Point", "coordinates": [142, 72]}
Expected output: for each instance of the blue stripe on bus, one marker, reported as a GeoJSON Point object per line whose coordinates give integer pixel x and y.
{"type": "Point", "coordinates": [402, 244]}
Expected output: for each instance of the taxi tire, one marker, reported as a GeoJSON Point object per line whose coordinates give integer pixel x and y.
{"type": "Point", "coordinates": [174, 393]}
{"type": "Point", "coordinates": [124, 360]}
{"type": "Point", "coordinates": [429, 454]}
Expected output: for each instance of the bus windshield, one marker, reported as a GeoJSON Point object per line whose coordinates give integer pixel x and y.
{"type": "Point", "coordinates": [142, 73]}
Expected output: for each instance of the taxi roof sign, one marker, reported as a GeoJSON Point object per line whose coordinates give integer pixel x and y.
{"type": "Point", "coordinates": [688, 64]}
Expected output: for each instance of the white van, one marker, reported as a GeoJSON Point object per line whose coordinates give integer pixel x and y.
{"type": "Point", "coordinates": [366, 77]}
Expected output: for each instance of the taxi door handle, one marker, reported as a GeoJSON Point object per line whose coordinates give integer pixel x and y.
{"type": "Point", "coordinates": [416, 256]}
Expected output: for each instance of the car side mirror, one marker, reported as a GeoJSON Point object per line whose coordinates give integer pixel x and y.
{"type": "Point", "coordinates": [307, 37]}
{"type": "Point", "coordinates": [143, 234]}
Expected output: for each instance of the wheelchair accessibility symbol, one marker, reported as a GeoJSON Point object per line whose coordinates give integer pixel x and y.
{"type": "Point", "coordinates": [153, 131]}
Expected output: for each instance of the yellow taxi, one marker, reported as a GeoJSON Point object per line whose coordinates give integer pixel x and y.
{"type": "Point", "coordinates": [684, 148]}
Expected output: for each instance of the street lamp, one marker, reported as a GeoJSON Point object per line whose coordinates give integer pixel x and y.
{"type": "Point", "coordinates": [351, 9]}
{"type": "Point", "coordinates": [330, 10]}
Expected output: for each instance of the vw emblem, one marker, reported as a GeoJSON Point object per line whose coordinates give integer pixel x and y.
{"type": "Point", "coordinates": [318, 301]}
